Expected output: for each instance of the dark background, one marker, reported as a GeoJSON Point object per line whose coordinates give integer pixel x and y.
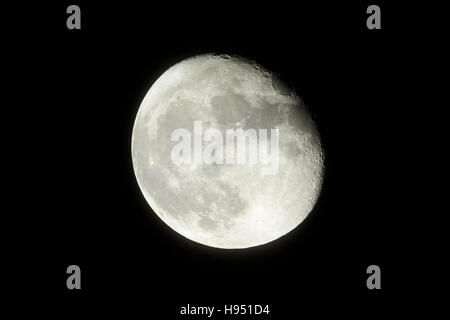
{"type": "Point", "coordinates": [83, 89]}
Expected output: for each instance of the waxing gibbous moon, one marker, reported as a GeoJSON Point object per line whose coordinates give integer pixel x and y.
{"type": "Point", "coordinates": [226, 205]}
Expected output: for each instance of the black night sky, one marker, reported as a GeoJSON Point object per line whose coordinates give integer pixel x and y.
{"type": "Point", "coordinates": [84, 88]}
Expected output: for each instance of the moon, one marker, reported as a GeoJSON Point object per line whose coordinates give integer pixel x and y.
{"type": "Point", "coordinates": [230, 206]}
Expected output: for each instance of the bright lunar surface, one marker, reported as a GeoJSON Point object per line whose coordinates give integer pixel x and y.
{"type": "Point", "coordinates": [226, 205]}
